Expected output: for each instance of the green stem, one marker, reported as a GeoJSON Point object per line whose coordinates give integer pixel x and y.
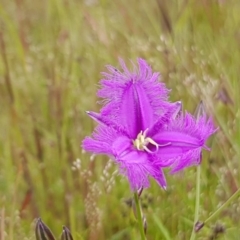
{"type": "Point", "coordinates": [197, 202]}
{"type": "Point", "coordinates": [139, 216]}
{"type": "Point", "coordinates": [223, 206]}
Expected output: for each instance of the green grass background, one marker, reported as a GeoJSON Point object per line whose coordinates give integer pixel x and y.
{"type": "Point", "coordinates": [51, 56]}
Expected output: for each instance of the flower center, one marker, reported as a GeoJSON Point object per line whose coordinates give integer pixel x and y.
{"type": "Point", "coordinates": [141, 142]}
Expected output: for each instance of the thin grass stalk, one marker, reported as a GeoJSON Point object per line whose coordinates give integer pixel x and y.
{"type": "Point", "coordinates": [7, 71]}
{"type": "Point", "coordinates": [2, 224]}
{"type": "Point", "coordinates": [222, 206]}
{"type": "Point", "coordinates": [197, 202]}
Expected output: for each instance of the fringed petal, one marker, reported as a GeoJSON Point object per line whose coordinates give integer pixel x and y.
{"type": "Point", "coordinates": [184, 139]}
{"type": "Point", "coordinates": [201, 128]}
{"type": "Point", "coordinates": [135, 165]}
{"type": "Point", "coordinates": [177, 139]}
{"type": "Point", "coordinates": [188, 159]}
{"type": "Point", "coordinates": [135, 99]}
{"type": "Point", "coordinates": [101, 140]}
{"type": "Point", "coordinates": [98, 147]}
{"type": "Point", "coordinates": [135, 112]}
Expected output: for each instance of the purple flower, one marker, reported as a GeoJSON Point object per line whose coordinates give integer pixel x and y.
{"type": "Point", "coordinates": [141, 130]}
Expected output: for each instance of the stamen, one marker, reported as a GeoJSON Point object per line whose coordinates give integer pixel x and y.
{"type": "Point", "coordinates": [142, 141]}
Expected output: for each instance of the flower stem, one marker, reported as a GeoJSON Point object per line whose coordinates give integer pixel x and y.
{"type": "Point", "coordinates": [139, 216]}
{"type": "Point", "coordinates": [197, 202]}
{"type": "Point", "coordinates": [223, 206]}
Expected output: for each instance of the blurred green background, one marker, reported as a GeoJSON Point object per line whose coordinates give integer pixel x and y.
{"type": "Point", "coordinates": [52, 54]}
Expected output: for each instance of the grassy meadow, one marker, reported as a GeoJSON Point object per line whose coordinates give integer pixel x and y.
{"type": "Point", "coordinates": [52, 53]}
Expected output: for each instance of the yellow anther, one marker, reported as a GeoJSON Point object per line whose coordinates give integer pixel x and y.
{"type": "Point", "coordinates": [141, 142]}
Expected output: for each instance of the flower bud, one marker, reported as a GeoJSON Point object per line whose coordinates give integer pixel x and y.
{"type": "Point", "coordinates": [42, 232]}
{"type": "Point", "coordinates": [66, 235]}
{"type": "Point", "coordinates": [198, 226]}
